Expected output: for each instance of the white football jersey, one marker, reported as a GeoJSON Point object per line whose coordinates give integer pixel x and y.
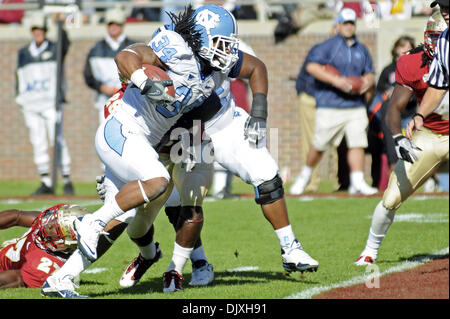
{"type": "Point", "coordinates": [191, 87]}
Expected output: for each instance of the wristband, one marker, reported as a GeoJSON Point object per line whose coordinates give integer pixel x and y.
{"type": "Point", "coordinates": [397, 137]}
{"type": "Point", "coordinates": [139, 78]}
{"type": "Point", "coordinates": [259, 106]}
{"type": "Point", "coordinates": [418, 114]}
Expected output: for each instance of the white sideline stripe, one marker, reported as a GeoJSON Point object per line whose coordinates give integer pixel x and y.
{"type": "Point", "coordinates": [419, 217]}
{"type": "Point", "coordinates": [309, 293]}
{"type": "Point", "coordinates": [244, 268]}
{"type": "Point", "coordinates": [95, 270]}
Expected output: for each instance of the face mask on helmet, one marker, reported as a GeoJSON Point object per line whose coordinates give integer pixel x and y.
{"type": "Point", "coordinates": [55, 227]}
{"type": "Point", "coordinates": [219, 42]}
{"type": "Point", "coordinates": [435, 26]}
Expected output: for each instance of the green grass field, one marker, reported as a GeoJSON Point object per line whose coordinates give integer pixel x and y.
{"type": "Point", "coordinates": [235, 234]}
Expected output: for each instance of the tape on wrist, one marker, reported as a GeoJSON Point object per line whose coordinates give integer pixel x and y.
{"type": "Point", "coordinates": [139, 78]}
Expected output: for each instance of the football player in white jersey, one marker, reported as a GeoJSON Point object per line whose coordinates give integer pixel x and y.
{"type": "Point", "coordinates": [216, 58]}
{"type": "Point", "coordinates": [240, 146]}
{"type": "Point", "coordinates": [125, 141]}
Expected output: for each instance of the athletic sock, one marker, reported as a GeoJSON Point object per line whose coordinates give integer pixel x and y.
{"type": "Point", "coordinates": [45, 178]}
{"type": "Point", "coordinates": [179, 258]}
{"type": "Point", "coordinates": [382, 219]}
{"type": "Point", "coordinates": [198, 254]}
{"type": "Point", "coordinates": [108, 211]}
{"type": "Point", "coordinates": [74, 266]}
{"type": "Point", "coordinates": [306, 172]}
{"type": "Point", "coordinates": [285, 236]}
{"type": "Point", "coordinates": [148, 251]}
{"type": "Point", "coordinates": [356, 178]}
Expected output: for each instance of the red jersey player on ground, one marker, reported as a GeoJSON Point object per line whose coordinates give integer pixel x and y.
{"type": "Point", "coordinates": [420, 157]}
{"type": "Point", "coordinates": [28, 261]}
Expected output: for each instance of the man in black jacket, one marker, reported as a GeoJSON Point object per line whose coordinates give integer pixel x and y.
{"type": "Point", "coordinates": [100, 71]}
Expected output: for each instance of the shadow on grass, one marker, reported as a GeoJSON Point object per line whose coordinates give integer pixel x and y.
{"type": "Point", "coordinates": [222, 278]}
{"type": "Point", "coordinates": [414, 258]}
{"type": "Point", "coordinates": [424, 257]}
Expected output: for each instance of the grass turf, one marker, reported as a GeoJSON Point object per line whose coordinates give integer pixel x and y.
{"type": "Point", "coordinates": [235, 235]}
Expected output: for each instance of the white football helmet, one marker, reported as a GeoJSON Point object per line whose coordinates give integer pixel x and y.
{"type": "Point", "coordinates": [435, 26]}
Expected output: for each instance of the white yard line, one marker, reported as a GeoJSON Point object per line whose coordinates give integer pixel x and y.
{"type": "Point", "coordinates": [309, 293]}
{"type": "Point", "coordinates": [243, 269]}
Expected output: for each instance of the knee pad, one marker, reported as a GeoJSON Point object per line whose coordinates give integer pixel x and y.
{"type": "Point", "coordinates": [190, 214]}
{"type": "Point", "coordinates": [146, 239]}
{"type": "Point", "coordinates": [270, 191]}
{"type": "Point", "coordinates": [173, 213]}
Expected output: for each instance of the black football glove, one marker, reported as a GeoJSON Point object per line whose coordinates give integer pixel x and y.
{"type": "Point", "coordinates": [405, 149]}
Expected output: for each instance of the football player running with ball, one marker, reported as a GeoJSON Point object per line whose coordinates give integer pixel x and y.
{"type": "Point", "coordinates": [422, 153]}
{"type": "Point", "coordinates": [198, 63]}
{"type": "Point", "coordinates": [239, 143]}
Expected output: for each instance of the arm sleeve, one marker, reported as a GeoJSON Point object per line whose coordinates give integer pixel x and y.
{"type": "Point", "coordinates": [236, 69]}
{"type": "Point", "coordinates": [320, 54]}
{"type": "Point", "coordinates": [65, 43]}
{"type": "Point", "coordinates": [368, 66]}
{"type": "Point", "coordinates": [438, 72]}
{"type": "Point", "coordinates": [88, 76]}
{"type": "Point", "coordinates": [401, 73]}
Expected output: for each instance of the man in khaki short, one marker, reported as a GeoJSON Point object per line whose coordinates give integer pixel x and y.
{"type": "Point", "coordinates": [340, 111]}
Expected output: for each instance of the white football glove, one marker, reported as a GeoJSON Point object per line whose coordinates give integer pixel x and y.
{"type": "Point", "coordinates": [405, 148]}
{"type": "Point", "coordinates": [255, 130]}
{"type": "Point", "coordinates": [101, 189]}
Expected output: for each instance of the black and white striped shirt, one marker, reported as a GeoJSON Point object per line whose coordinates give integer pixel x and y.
{"type": "Point", "coordinates": [439, 70]}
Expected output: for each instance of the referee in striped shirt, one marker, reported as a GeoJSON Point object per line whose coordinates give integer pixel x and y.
{"type": "Point", "coordinates": [439, 76]}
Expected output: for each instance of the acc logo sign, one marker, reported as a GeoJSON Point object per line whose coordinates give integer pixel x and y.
{"type": "Point", "coordinates": [207, 19]}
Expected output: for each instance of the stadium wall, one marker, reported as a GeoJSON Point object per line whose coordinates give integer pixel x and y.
{"type": "Point", "coordinates": [80, 117]}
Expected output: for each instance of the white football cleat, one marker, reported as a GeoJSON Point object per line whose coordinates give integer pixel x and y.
{"type": "Point", "coordinates": [137, 268]}
{"type": "Point", "coordinates": [172, 281]}
{"type": "Point", "coordinates": [299, 186]}
{"type": "Point", "coordinates": [88, 230]}
{"type": "Point", "coordinates": [202, 273]}
{"type": "Point", "coordinates": [365, 259]}
{"type": "Point", "coordinates": [60, 287]}
{"type": "Point", "coordinates": [362, 189]}
{"type": "Point", "coordinates": [296, 259]}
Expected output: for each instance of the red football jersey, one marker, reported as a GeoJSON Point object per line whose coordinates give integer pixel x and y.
{"type": "Point", "coordinates": [410, 74]}
{"type": "Point", "coordinates": [35, 263]}
{"type": "Point", "coordinates": [110, 104]}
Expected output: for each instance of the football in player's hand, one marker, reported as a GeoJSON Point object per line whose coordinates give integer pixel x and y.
{"type": "Point", "coordinates": [331, 69]}
{"type": "Point", "coordinates": [155, 73]}
{"type": "Point", "coordinates": [356, 82]}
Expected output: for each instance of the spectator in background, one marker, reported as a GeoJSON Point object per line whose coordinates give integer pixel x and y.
{"type": "Point", "coordinates": [340, 112]}
{"type": "Point", "coordinates": [381, 145]}
{"type": "Point", "coordinates": [145, 13]}
{"type": "Point", "coordinates": [11, 16]}
{"type": "Point", "coordinates": [395, 9]}
{"type": "Point", "coordinates": [36, 94]}
{"type": "Point", "coordinates": [304, 85]}
{"type": "Point", "coordinates": [297, 16]}
{"type": "Point", "coordinates": [100, 70]}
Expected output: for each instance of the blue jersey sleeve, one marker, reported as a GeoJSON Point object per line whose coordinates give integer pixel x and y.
{"type": "Point", "coordinates": [368, 65]}
{"type": "Point", "coordinates": [320, 53]}
{"type": "Point", "coordinates": [236, 69]}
